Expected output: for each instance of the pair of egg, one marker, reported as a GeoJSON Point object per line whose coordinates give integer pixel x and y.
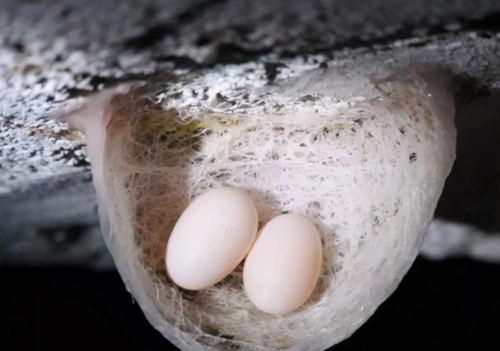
{"type": "Point", "coordinates": [219, 229]}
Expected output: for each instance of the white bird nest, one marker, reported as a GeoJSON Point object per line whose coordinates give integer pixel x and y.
{"type": "Point", "coordinates": [368, 173]}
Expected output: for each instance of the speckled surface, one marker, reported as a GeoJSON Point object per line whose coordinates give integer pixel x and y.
{"type": "Point", "coordinates": [52, 51]}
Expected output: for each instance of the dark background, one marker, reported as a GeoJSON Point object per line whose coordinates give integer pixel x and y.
{"type": "Point", "coordinates": [452, 304]}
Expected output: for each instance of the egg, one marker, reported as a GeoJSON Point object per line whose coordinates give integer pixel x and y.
{"type": "Point", "coordinates": [212, 236]}
{"type": "Point", "coordinates": [283, 266]}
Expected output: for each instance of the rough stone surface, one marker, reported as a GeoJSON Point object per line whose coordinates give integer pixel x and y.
{"type": "Point", "coordinates": [52, 51]}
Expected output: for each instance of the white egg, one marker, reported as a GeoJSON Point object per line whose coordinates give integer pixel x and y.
{"type": "Point", "coordinates": [283, 266]}
{"type": "Point", "coordinates": [211, 238]}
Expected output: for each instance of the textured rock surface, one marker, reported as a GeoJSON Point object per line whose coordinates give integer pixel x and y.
{"type": "Point", "coordinates": [51, 51]}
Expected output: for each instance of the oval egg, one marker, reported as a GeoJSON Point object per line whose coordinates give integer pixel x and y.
{"type": "Point", "coordinates": [211, 238]}
{"type": "Point", "coordinates": [282, 268]}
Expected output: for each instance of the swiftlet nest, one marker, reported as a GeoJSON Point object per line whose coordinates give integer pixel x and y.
{"type": "Point", "coordinates": [368, 173]}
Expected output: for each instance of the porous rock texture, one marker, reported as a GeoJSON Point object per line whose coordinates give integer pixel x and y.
{"type": "Point", "coordinates": [53, 51]}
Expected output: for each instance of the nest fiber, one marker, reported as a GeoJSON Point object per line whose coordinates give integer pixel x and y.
{"type": "Point", "coordinates": [368, 173]}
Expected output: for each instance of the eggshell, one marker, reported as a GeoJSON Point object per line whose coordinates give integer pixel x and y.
{"type": "Point", "coordinates": [283, 266]}
{"type": "Point", "coordinates": [211, 238]}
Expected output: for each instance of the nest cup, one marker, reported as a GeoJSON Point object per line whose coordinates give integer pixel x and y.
{"type": "Point", "coordinates": [368, 175]}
